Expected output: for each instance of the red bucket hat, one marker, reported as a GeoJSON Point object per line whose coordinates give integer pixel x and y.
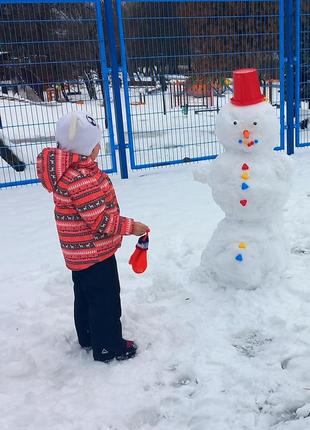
{"type": "Point", "coordinates": [246, 88]}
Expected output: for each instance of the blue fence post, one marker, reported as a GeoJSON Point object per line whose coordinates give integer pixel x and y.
{"type": "Point", "coordinates": [108, 7]}
{"type": "Point", "coordinates": [282, 74]}
{"type": "Point", "coordinates": [290, 70]}
{"type": "Point", "coordinates": [297, 70]}
{"type": "Point", "coordinates": [125, 81]}
{"type": "Point", "coordinates": [105, 81]}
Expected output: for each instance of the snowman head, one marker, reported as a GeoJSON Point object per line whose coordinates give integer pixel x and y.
{"type": "Point", "coordinates": [253, 128]}
{"type": "Point", "coordinates": [248, 123]}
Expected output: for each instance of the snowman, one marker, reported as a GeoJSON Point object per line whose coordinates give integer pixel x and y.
{"type": "Point", "coordinates": [250, 182]}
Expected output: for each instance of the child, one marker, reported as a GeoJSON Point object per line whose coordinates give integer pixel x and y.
{"type": "Point", "coordinates": [90, 231]}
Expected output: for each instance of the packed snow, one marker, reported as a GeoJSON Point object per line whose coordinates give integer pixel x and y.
{"type": "Point", "coordinates": [209, 358]}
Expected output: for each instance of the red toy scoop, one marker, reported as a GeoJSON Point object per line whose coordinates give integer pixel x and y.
{"type": "Point", "coordinates": [138, 259]}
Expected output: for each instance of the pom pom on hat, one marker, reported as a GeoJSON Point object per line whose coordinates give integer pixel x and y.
{"type": "Point", "coordinates": [77, 132]}
{"type": "Point", "coordinates": [138, 259]}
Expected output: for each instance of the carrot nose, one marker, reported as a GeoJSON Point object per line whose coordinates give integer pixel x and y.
{"type": "Point", "coordinates": [246, 134]}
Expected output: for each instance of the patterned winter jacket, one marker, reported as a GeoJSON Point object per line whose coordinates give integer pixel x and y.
{"type": "Point", "coordinates": [87, 214]}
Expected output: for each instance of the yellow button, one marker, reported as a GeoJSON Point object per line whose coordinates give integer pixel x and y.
{"type": "Point", "coordinates": [245, 175]}
{"type": "Point", "coordinates": [242, 245]}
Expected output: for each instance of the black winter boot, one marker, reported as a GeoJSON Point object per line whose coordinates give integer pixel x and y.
{"type": "Point", "coordinates": [128, 350]}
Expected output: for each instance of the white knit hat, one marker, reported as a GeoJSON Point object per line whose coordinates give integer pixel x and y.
{"type": "Point", "coordinates": [77, 132]}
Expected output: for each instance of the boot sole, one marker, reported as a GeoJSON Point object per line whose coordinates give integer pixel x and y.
{"type": "Point", "coordinates": [122, 357]}
{"type": "Point", "coordinates": [126, 356]}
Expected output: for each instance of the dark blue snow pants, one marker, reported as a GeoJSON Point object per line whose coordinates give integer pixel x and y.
{"type": "Point", "coordinates": [97, 306]}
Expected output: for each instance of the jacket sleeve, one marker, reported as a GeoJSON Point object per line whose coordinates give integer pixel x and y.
{"type": "Point", "coordinates": [98, 207]}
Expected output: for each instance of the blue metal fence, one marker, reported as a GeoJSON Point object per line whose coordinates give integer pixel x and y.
{"type": "Point", "coordinates": [154, 73]}
{"type": "Point", "coordinates": [53, 60]}
{"type": "Point", "coordinates": [177, 61]}
{"type": "Point", "coordinates": [302, 67]}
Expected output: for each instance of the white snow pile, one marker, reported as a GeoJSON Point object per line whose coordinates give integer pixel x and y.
{"type": "Point", "coordinates": [209, 358]}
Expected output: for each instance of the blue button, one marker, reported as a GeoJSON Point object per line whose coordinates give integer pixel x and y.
{"type": "Point", "coordinates": [239, 257]}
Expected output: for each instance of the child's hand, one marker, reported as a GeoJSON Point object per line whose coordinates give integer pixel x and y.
{"type": "Point", "coordinates": [139, 229]}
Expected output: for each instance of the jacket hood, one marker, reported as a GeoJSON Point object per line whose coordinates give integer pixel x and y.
{"type": "Point", "coordinates": [53, 163]}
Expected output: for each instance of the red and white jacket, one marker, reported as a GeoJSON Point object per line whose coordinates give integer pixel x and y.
{"type": "Point", "coordinates": [87, 214]}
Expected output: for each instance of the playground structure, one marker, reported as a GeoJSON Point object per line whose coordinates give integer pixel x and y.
{"type": "Point", "coordinates": [185, 94]}
{"type": "Point", "coordinates": [270, 89]}
{"type": "Point", "coordinates": [181, 95]}
{"type": "Point", "coordinates": [141, 101]}
{"type": "Point", "coordinates": [178, 95]}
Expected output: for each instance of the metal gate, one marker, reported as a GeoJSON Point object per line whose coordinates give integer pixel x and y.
{"type": "Point", "coordinates": [154, 73]}
{"type": "Point", "coordinates": [177, 61]}
{"type": "Point", "coordinates": [53, 60]}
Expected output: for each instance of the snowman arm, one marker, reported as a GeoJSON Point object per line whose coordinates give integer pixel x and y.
{"type": "Point", "coordinates": [285, 167]}
{"type": "Point", "coordinates": [202, 174]}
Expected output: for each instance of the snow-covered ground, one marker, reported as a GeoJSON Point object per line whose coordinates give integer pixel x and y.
{"type": "Point", "coordinates": [209, 359]}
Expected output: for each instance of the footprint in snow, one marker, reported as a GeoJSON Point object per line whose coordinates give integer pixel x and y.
{"type": "Point", "coordinates": [182, 380]}
{"type": "Point", "coordinates": [145, 417]}
{"type": "Point", "coordinates": [296, 362]}
{"type": "Point", "coordinates": [251, 343]}
{"type": "Point", "coordinates": [300, 250]}
{"type": "Point", "coordinates": [291, 414]}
